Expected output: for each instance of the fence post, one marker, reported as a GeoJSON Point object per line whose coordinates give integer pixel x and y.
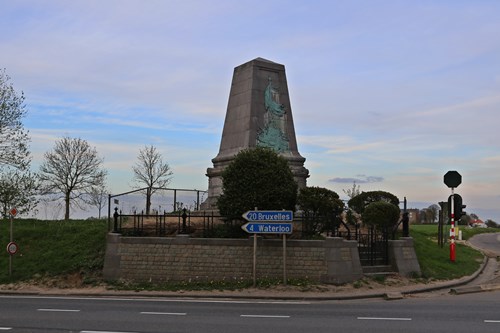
{"type": "Point", "coordinates": [184, 217]}
{"type": "Point", "coordinates": [115, 217]}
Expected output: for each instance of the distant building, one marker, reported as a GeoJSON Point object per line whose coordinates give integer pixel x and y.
{"type": "Point", "coordinates": [477, 223]}
{"type": "Point", "coordinates": [413, 215]}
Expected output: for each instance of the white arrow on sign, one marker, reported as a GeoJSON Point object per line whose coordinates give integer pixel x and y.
{"type": "Point", "coordinates": [267, 228]}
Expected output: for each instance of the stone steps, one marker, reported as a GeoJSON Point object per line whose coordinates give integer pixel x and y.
{"type": "Point", "coordinates": [378, 270]}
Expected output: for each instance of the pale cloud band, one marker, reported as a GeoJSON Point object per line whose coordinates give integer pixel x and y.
{"type": "Point", "coordinates": [359, 179]}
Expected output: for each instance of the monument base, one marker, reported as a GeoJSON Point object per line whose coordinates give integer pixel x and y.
{"type": "Point", "coordinates": [300, 175]}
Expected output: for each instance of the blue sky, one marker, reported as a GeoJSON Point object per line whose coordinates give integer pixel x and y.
{"type": "Point", "coordinates": [391, 94]}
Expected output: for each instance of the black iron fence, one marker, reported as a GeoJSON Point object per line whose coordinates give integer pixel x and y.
{"type": "Point", "coordinates": [197, 224]}
{"type": "Point", "coordinates": [373, 243]}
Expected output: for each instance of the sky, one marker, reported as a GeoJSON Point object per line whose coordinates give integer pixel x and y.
{"type": "Point", "coordinates": [390, 94]}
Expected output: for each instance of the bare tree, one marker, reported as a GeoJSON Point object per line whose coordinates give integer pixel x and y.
{"type": "Point", "coordinates": [151, 172]}
{"type": "Point", "coordinates": [354, 191]}
{"type": "Point", "coordinates": [432, 213]}
{"type": "Point", "coordinates": [14, 138]}
{"type": "Point", "coordinates": [98, 197]}
{"type": "Point", "coordinates": [74, 169]}
{"type": "Point", "coordinates": [351, 216]}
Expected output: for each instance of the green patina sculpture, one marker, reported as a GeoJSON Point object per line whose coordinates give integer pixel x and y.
{"type": "Point", "coordinates": [274, 133]}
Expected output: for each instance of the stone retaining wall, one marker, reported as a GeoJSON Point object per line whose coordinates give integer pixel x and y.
{"type": "Point", "coordinates": [183, 258]}
{"type": "Point", "coordinates": [403, 257]}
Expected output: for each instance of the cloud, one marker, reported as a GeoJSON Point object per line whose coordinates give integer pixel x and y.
{"type": "Point", "coordinates": [360, 179]}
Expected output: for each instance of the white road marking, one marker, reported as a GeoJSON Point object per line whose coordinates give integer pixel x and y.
{"type": "Point", "coordinates": [5, 328]}
{"type": "Point", "coordinates": [492, 321]}
{"type": "Point", "coordinates": [165, 313]}
{"type": "Point", "coordinates": [263, 316]}
{"type": "Point", "coordinates": [103, 332]}
{"type": "Point", "coordinates": [381, 318]}
{"type": "Point", "coordinates": [58, 310]}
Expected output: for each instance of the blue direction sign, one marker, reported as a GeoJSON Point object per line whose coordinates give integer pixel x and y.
{"type": "Point", "coordinates": [268, 216]}
{"type": "Point", "coordinates": [267, 228]}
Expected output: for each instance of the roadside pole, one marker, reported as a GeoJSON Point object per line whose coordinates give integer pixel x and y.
{"type": "Point", "coordinates": [452, 179]}
{"type": "Point", "coordinates": [10, 241]}
{"type": "Point", "coordinates": [11, 247]}
{"type": "Point", "coordinates": [284, 260]}
{"type": "Point", "coordinates": [254, 270]}
{"type": "Point", "coordinates": [452, 230]}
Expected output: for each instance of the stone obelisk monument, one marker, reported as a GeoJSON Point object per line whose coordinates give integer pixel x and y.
{"type": "Point", "coordinates": [258, 114]}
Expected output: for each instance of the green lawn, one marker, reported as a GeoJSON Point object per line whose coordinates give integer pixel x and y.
{"type": "Point", "coordinates": [51, 248]}
{"type": "Point", "coordinates": [435, 261]}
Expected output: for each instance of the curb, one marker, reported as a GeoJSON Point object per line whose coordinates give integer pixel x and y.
{"type": "Point", "coordinates": [452, 283]}
{"type": "Point", "coordinates": [475, 289]}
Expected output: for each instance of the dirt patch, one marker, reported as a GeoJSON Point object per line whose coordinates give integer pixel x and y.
{"type": "Point", "coordinates": [76, 284]}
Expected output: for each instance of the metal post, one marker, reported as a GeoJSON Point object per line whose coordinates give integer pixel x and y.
{"type": "Point", "coordinates": [115, 218]}
{"type": "Point", "coordinates": [254, 260]}
{"type": "Point", "coordinates": [184, 217]}
{"type": "Point", "coordinates": [452, 230]}
{"type": "Point", "coordinates": [284, 260]}
{"type": "Point", "coordinates": [175, 200]}
{"type": "Point", "coordinates": [254, 268]}
{"type": "Point", "coordinates": [11, 240]}
{"type": "Point", "coordinates": [109, 212]}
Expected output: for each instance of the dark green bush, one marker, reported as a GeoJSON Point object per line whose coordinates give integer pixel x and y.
{"type": "Point", "coordinates": [321, 208]}
{"type": "Point", "coordinates": [381, 214]}
{"type": "Point", "coordinates": [257, 177]}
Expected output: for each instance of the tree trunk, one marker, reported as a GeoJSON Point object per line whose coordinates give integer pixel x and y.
{"type": "Point", "coordinates": [148, 201]}
{"type": "Point", "coordinates": [66, 212]}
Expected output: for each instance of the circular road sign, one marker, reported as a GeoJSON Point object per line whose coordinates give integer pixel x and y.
{"type": "Point", "coordinates": [12, 248]}
{"type": "Point", "coordinates": [452, 179]}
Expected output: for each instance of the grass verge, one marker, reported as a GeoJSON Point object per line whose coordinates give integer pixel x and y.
{"type": "Point", "coordinates": [435, 261]}
{"type": "Point", "coordinates": [57, 250]}
{"type": "Point", "coordinates": [53, 248]}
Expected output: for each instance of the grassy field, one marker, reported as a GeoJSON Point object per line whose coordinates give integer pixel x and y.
{"type": "Point", "coordinates": [52, 248]}
{"type": "Point", "coordinates": [435, 261]}
{"type": "Point", "coordinates": [57, 249]}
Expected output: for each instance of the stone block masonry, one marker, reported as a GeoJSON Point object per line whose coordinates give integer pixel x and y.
{"type": "Point", "coordinates": [403, 257]}
{"type": "Point", "coordinates": [182, 259]}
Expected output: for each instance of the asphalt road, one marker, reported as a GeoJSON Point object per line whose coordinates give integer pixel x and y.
{"type": "Point", "coordinates": [463, 313]}
{"type": "Point", "coordinates": [490, 243]}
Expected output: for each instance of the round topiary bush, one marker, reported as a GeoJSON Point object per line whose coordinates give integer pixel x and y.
{"type": "Point", "coordinates": [381, 214]}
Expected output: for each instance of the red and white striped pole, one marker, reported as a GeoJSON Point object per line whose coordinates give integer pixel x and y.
{"type": "Point", "coordinates": [452, 230]}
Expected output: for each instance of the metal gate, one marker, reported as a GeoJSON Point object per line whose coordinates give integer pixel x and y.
{"type": "Point", "coordinates": [373, 246]}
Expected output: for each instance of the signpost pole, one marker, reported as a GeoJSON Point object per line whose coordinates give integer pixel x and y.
{"type": "Point", "coordinates": [284, 260]}
{"type": "Point", "coordinates": [11, 240]}
{"type": "Point", "coordinates": [12, 212]}
{"type": "Point", "coordinates": [254, 260]}
{"type": "Point", "coordinates": [268, 222]}
{"type": "Point", "coordinates": [11, 229]}
{"type": "Point", "coordinates": [452, 230]}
